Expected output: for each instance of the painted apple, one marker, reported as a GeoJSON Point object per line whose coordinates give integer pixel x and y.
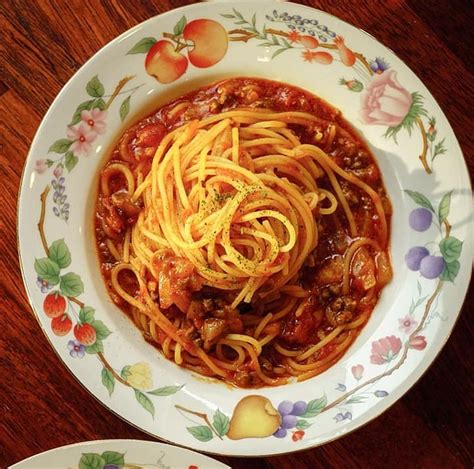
{"type": "Point", "coordinates": [164, 63]}
{"type": "Point", "coordinates": [253, 417]}
{"type": "Point", "coordinates": [210, 42]}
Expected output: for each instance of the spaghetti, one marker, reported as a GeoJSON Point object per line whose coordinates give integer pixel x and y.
{"type": "Point", "coordinates": [231, 236]}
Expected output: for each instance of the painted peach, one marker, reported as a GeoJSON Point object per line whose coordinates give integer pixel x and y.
{"type": "Point", "coordinates": [309, 42]}
{"type": "Point", "coordinates": [210, 42]}
{"type": "Point", "coordinates": [164, 63]}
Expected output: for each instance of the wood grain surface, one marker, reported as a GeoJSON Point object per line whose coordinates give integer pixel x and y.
{"type": "Point", "coordinates": [42, 44]}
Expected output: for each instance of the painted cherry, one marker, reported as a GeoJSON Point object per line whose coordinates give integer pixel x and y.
{"type": "Point", "coordinates": [61, 325]}
{"type": "Point", "coordinates": [210, 42]}
{"type": "Point", "coordinates": [85, 334]}
{"type": "Point", "coordinates": [54, 305]}
{"type": "Point", "coordinates": [164, 63]}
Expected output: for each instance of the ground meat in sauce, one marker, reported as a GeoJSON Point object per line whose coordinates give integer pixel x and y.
{"type": "Point", "coordinates": [207, 312]}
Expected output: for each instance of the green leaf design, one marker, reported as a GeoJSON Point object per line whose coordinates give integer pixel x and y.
{"type": "Point", "coordinates": [86, 314]}
{"type": "Point", "coordinates": [60, 146]}
{"type": "Point", "coordinates": [439, 149]}
{"type": "Point", "coordinates": [228, 16]}
{"type": "Point", "coordinates": [165, 391]}
{"type": "Point", "coordinates": [95, 88]}
{"type": "Point", "coordinates": [315, 407]}
{"type": "Point", "coordinates": [91, 461]}
{"type": "Point", "coordinates": [113, 457]}
{"type": "Point", "coordinates": [450, 271]}
{"type": "Point", "coordinates": [278, 52]}
{"type": "Point", "coordinates": [145, 402]}
{"type": "Point", "coordinates": [302, 424]}
{"type": "Point", "coordinates": [96, 347]}
{"type": "Point", "coordinates": [108, 380]}
{"type": "Point", "coordinates": [237, 13]}
{"type": "Point", "coordinates": [254, 20]}
{"type": "Point", "coordinates": [125, 373]}
{"type": "Point", "coordinates": [416, 111]}
{"type": "Point", "coordinates": [59, 253]}
{"type": "Point", "coordinates": [101, 329]}
{"type": "Point", "coordinates": [99, 104]}
{"type": "Point", "coordinates": [47, 270]}
{"type": "Point", "coordinates": [450, 248]}
{"type": "Point", "coordinates": [179, 26]}
{"type": "Point", "coordinates": [70, 160]}
{"type": "Point", "coordinates": [420, 199]}
{"type": "Point", "coordinates": [444, 206]}
{"type": "Point", "coordinates": [356, 400]}
{"type": "Point", "coordinates": [275, 40]}
{"type": "Point", "coordinates": [124, 108]}
{"type": "Point", "coordinates": [85, 106]}
{"type": "Point", "coordinates": [221, 423]}
{"type": "Point", "coordinates": [142, 46]}
{"type": "Point", "coordinates": [71, 284]}
{"type": "Point", "coordinates": [200, 432]}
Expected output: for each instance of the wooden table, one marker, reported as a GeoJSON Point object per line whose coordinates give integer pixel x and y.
{"type": "Point", "coordinates": [42, 406]}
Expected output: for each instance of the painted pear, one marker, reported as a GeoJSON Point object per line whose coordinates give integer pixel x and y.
{"type": "Point", "coordinates": [253, 417]}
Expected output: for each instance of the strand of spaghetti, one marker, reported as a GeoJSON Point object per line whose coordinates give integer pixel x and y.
{"type": "Point", "coordinates": [267, 339]}
{"type": "Point", "coordinates": [246, 338]}
{"type": "Point", "coordinates": [286, 352]}
{"type": "Point", "coordinates": [114, 168]}
{"type": "Point", "coordinates": [313, 349]}
{"type": "Point", "coordinates": [348, 259]}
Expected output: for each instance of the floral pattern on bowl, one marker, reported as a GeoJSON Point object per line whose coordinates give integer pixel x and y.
{"type": "Point", "coordinates": [431, 246]}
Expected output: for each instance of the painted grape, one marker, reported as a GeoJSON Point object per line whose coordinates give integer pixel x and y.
{"type": "Point", "coordinates": [431, 266]}
{"type": "Point", "coordinates": [420, 219]}
{"type": "Point", "coordinates": [414, 257]}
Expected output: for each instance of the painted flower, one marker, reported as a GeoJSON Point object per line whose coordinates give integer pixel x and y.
{"type": "Point", "coordinates": [418, 342]}
{"type": "Point", "coordinates": [294, 36]}
{"type": "Point", "coordinates": [82, 138]}
{"type": "Point", "coordinates": [298, 435]}
{"type": "Point", "coordinates": [348, 57]}
{"type": "Point", "coordinates": [385, 350]}
{"type": "Point", "coordinates": [138, 376]}
{"type": "Point", "coordinates": [58, 171]}
{"type": "Point", "coordinates": [384, 101]}
{"type": "Point", "coordinates": [40, 166]}
{"type": "Point", "coordinates": [407, 324]}
{"type": "Point", "coordinates": [76, 349]}
{"type": "Point", "coordinates": [379, 65]}
{"type": "Point", "coordinates": [95, 120]}
{"type": "Point", "coordinates": [357, 371]}
{"type": "Point", "coordinates": [324, 58]}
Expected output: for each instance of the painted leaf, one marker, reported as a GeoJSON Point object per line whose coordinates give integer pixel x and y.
{"type": "Point", "coordinates": [70, 160]}
{"type": "Point", "coordinates": [278, 52]}
{"type": "Point", "coordinates": [254, 20]}
{"type": "Point", "coordinates": [444, 205]}
{"type": "Point", "coordinates": [59, 253]}
{"type": "Point", "coordinates": [420, 199]}
{"type": "Point", "coordinates": [86, 314]}
{"type": "Point", "coordinates": [200, 432]}
{"type": "Point", "coordinates": [237, 13]}
{"type": "Point", "coordinates": [302, 424]}
{"type": "Point", "coordinates": [108, 380]}
{"type": "Point", "coordinates": [99, 104]}
{"type": "Point", "coordinates": [71, 284]}
{"type": "Point", "coordinates": [275, 40]}
{"type": "Point", "coordinates": [142, 46]}
{"type": "Point", "coordinates": [95, 88]}
{"type": "Point", "coordinates": [229, 16]}
{"type": "Point", "coordinates": [85, 106]}
{"type": "Point", "coordinates": [165, 391]}
{"type": "Point", "coordinates": [221, 422]}
{"type": "Point", "coordinates": [125, 373]}
{"type": "Point", "coordinates": [60, 146]}
{"type": "Point", "coordinates": [91, 461]}
{"type": "Point", "coordinates": [113, 457]}
{"type": "Point", "coordinates": [450, 248]}
{"type": "Point", "coordinates": [97, 347]}
{"type": "Point", "coordinates": [315, 407]}
{"type": "Point", "coordinates": [145, 402]}
{"type": "Point", "coordinates": [450, 271]}
{"type": "Point", "coordinates": [124, 108]}
{"type": "Point", "coordinates": [179, 26]}
{"type": "Point", "coordinates": [355, 400]}
{"type": "Point", "coordinates": [101, 329]}
{"type": "Point", "coordinates": [48, 270]}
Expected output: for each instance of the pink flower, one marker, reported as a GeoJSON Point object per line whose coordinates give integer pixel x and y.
{"type": "Point", "coordinates": [40, 166]}
{"type": "Point", "coordinates": [95, 120]}
{"type": "Point", "coordinates": [58, 171]}
{"type": "Point", "coordinates": [418, 342]}
{"type": "Point", "coordinates": [407, 324]}
{"type": "Point", "coordinates": [357, 371]}
{"type": "Point", "coordinates": [82, 136]}
{"type": "Point", "coordinates": [384, 101]}
{"type": "Point", "coordinates": [385, 350]}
